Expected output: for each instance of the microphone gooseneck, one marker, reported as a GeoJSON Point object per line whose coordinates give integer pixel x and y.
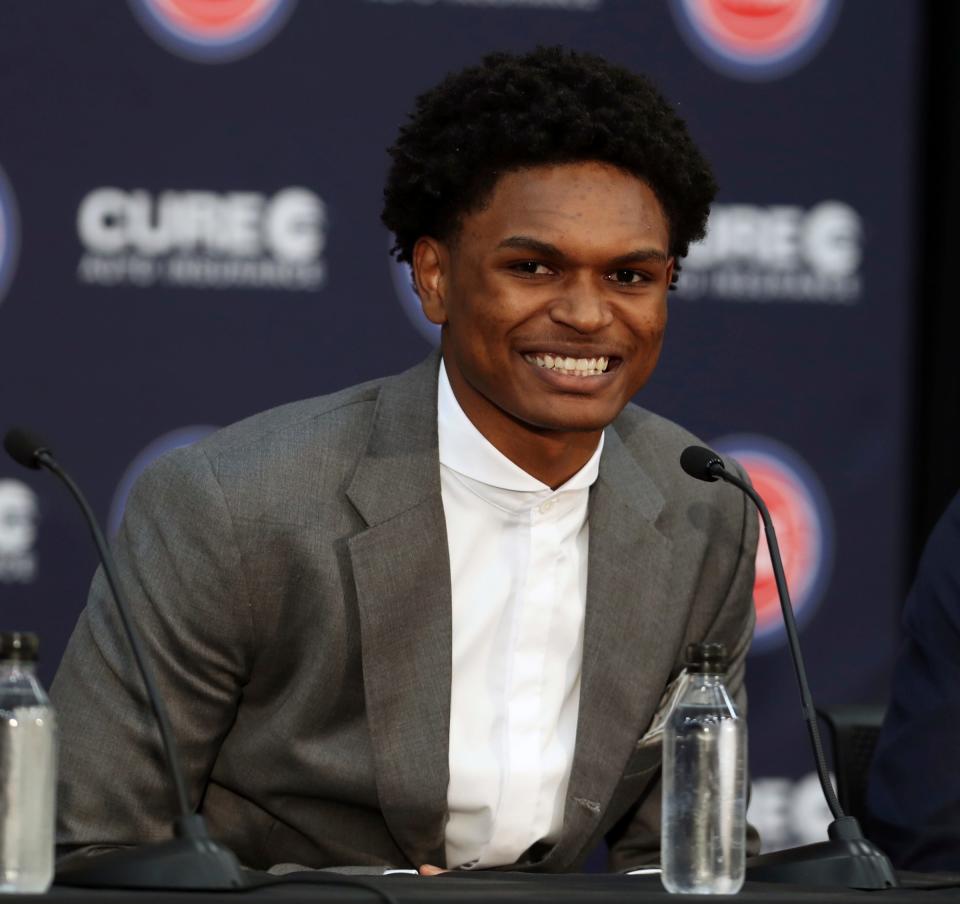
{"type": "Point", "coordinates": [848, 858]}
{"type": "Point", "coordinates": [192, 859]}
{"type": "Point", "coordinates": [711, 466]}
{"type": "Point", "coordinates": [31, 452]}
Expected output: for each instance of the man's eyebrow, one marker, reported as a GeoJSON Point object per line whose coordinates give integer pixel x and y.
{"type": "Point", "coordinates": [528, 243]}
{"type": "Point", "coordinates": [640, 256]}
{"type": "Point", "coordinates": [637, 256]}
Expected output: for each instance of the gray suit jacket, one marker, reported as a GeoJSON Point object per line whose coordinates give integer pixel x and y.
{"type": "Point", "coordinates": [290, 575]}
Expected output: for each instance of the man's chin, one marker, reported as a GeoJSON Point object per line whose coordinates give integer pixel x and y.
{"type": "Point", "coordinates": [572, 419]}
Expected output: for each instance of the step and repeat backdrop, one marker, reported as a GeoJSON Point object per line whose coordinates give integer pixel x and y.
{"type": "Point", "coordinates": [189, 233]}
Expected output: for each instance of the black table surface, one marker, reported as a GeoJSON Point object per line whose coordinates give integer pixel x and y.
{"type": "Point", "coordinates": [503, 888]}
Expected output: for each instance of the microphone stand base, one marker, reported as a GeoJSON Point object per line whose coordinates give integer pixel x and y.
{"type": "Point", "coordinates": [847, 860]}
{"type": "Point", "coordinates": [186, 864]}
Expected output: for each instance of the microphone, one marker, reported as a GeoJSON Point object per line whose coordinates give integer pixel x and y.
{"type": "Point", "coordinates": [700, 462]}
{"type": "Point", "coordinates": [25, 448]}
{"type": "Point", "coordinates": [191, 860]}
{"type": "Point", "coordinates": [847, 858]}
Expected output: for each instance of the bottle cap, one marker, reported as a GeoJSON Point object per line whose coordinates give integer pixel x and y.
{"type": "Point", "coordinates": [19, 645]}
{"type": "Point", "coordinates": [707, 657]}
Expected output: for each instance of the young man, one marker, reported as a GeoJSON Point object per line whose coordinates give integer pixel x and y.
{"type": "Point", "coordinates": [429, 620]}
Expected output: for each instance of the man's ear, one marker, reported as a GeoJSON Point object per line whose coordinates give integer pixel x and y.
{"type": "Point", "coordinates": [430, 267]}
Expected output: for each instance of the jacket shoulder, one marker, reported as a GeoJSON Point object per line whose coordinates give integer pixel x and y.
{"type": "Point", "coordinates": [268, 466]}
{"type": "Point", "coordinates": [656, 442]}
{"type": "Point", "coordinates": [324, 421]}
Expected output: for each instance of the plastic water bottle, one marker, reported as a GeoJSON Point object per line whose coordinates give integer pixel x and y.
{"type": "Point", "coordinates": [703, 829]}
{"type": "Point", "coordinates": [28, 770]}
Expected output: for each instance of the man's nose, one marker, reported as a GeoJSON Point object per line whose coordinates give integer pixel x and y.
{"type": "Point", "coordinates": [582, 307]}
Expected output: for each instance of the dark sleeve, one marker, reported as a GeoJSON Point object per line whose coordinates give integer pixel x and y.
{"type": "Point", "coordinates": [636, 841]}
{"type": "Point", "coordinates": [181, 571]}
{"type": "Point", "coordinates": [914, 790]}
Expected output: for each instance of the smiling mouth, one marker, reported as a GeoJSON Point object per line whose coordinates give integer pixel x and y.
{"type": "Point", "coordinates": [573, 367]}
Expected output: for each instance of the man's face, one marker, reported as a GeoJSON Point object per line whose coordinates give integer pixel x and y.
{"type": "Point", "coordinates": [552, 298]}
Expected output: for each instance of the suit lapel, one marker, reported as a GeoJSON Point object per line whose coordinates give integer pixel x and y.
{"type": "Point", "coordinates": [402, 575]}
{"type": "Point", "coordinates": [626, 661]}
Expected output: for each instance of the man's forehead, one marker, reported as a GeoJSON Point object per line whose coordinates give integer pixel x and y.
{"type": "Point", "coordinates": [589, 203]}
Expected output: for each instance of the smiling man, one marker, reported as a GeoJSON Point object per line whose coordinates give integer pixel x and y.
{"type": "Point", "coordinates": [430, 621]}
{"type": "Point", "coordinates": [553, 294]}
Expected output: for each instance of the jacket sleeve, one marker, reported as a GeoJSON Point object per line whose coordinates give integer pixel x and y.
{"type": "Point", "coordinates": [913, 796]}
{"type": "Point", "coordinates": [182, 574]}
{"type": "Point", "coordinates": [635, 840]}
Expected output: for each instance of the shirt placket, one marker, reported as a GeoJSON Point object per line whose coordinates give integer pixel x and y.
{"type": "Point", "coordinates": [522, 788]}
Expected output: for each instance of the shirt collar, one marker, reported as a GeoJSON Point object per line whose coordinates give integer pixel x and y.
{"type": "Point", "coordinates": [464, 449]}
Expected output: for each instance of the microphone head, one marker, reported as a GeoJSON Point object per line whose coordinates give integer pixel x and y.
{"type": "Point", "coordinates": [700, 462]}
{"type": "Point", "coordinates": [25, 447]}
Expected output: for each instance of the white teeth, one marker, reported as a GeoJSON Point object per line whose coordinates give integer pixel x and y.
{"type": "Point", "coordinates": [579, 367]}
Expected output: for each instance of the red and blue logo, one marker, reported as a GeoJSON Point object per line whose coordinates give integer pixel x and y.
{"type": "Point", "coordinates": [175, 439]}
{"type": "Point", "coordinates": [755, 39]}
{"type": "Point", "coordinates": [401, 275]}
{"type": "Point", "coordinates": [801, 518]}
{"type": "Point", "coordinates": [9, 234]}
{"type": "Point", "coordinates": [212, 31]}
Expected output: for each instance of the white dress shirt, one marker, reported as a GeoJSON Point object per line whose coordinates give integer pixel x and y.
{"type": "Point", "coordinates": [518, 568]}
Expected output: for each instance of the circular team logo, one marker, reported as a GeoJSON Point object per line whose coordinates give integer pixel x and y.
{"type": "Point", "coordinates": [212, 31]}
{"type": "Point", "coordinates": [9, 234]}
{"type": "Point", "coordinates": [755, 39]}
{"type": "Point", "coordinates": [175, 439]}
{"type": "Point", "coordinates": [402, 277]}
{"type": "Point", "coordinates": [801, 517]}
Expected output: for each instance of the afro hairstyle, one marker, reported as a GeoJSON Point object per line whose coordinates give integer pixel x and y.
{"type": "Point", "coordinates": [547, 107]}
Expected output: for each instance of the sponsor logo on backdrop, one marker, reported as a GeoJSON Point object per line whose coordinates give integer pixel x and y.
{"type": "Point", "coordinates": [788, 813]}
{"type": "Point", "coordinates": [212, 31]}
{"type": "Point", "coordinates": [203, 239]}
{"type": "Point", "coordinates": [175, 439]}
{"type": "Point", "coordinates": [755, 39]}
{"type": "Point", "coordinates": [801, 517]}
{"type": "Point", "coordinates": [19, 513]}
{"type": "Point", "coordinates": [9, 234]}
{"type": "Point", "coordinates": [778, 253]}
{"type": "Point", "coordinates": [402, 277]}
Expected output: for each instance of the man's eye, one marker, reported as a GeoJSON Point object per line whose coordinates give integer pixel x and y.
{"type": "Point", "coordinates": [532, 268]}
{"type": "Point", "coordinates": [629, 277]}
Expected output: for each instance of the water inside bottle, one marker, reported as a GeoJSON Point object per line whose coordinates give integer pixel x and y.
{"type": "Point", "coordinates": [27, 783]}
{"type": "Point", "coordinates": [704, 830]}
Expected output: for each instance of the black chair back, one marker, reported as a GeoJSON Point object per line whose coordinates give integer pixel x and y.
{"type": "Point", "coordinates": [854, 730]}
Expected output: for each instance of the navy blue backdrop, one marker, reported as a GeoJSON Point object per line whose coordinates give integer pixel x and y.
{"type": "Point", "coordinates": [189, 233]}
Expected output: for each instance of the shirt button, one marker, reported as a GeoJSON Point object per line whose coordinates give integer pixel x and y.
{"type": "Point", "coordinates": [546, 506]}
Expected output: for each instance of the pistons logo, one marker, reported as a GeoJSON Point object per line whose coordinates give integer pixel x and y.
{"type": "Point", "coordinates": [175, 439]}
{"type": "Point", "coordinates": [9, 234]}
{"type": "Point", "coordinates": [401, 275]}
{"type": "Point", "coordinates": [755, 39]}
{"type": "Point", "coordinates": [801, 518]}
{"type": "Point", "coordinates": [212, 31]}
